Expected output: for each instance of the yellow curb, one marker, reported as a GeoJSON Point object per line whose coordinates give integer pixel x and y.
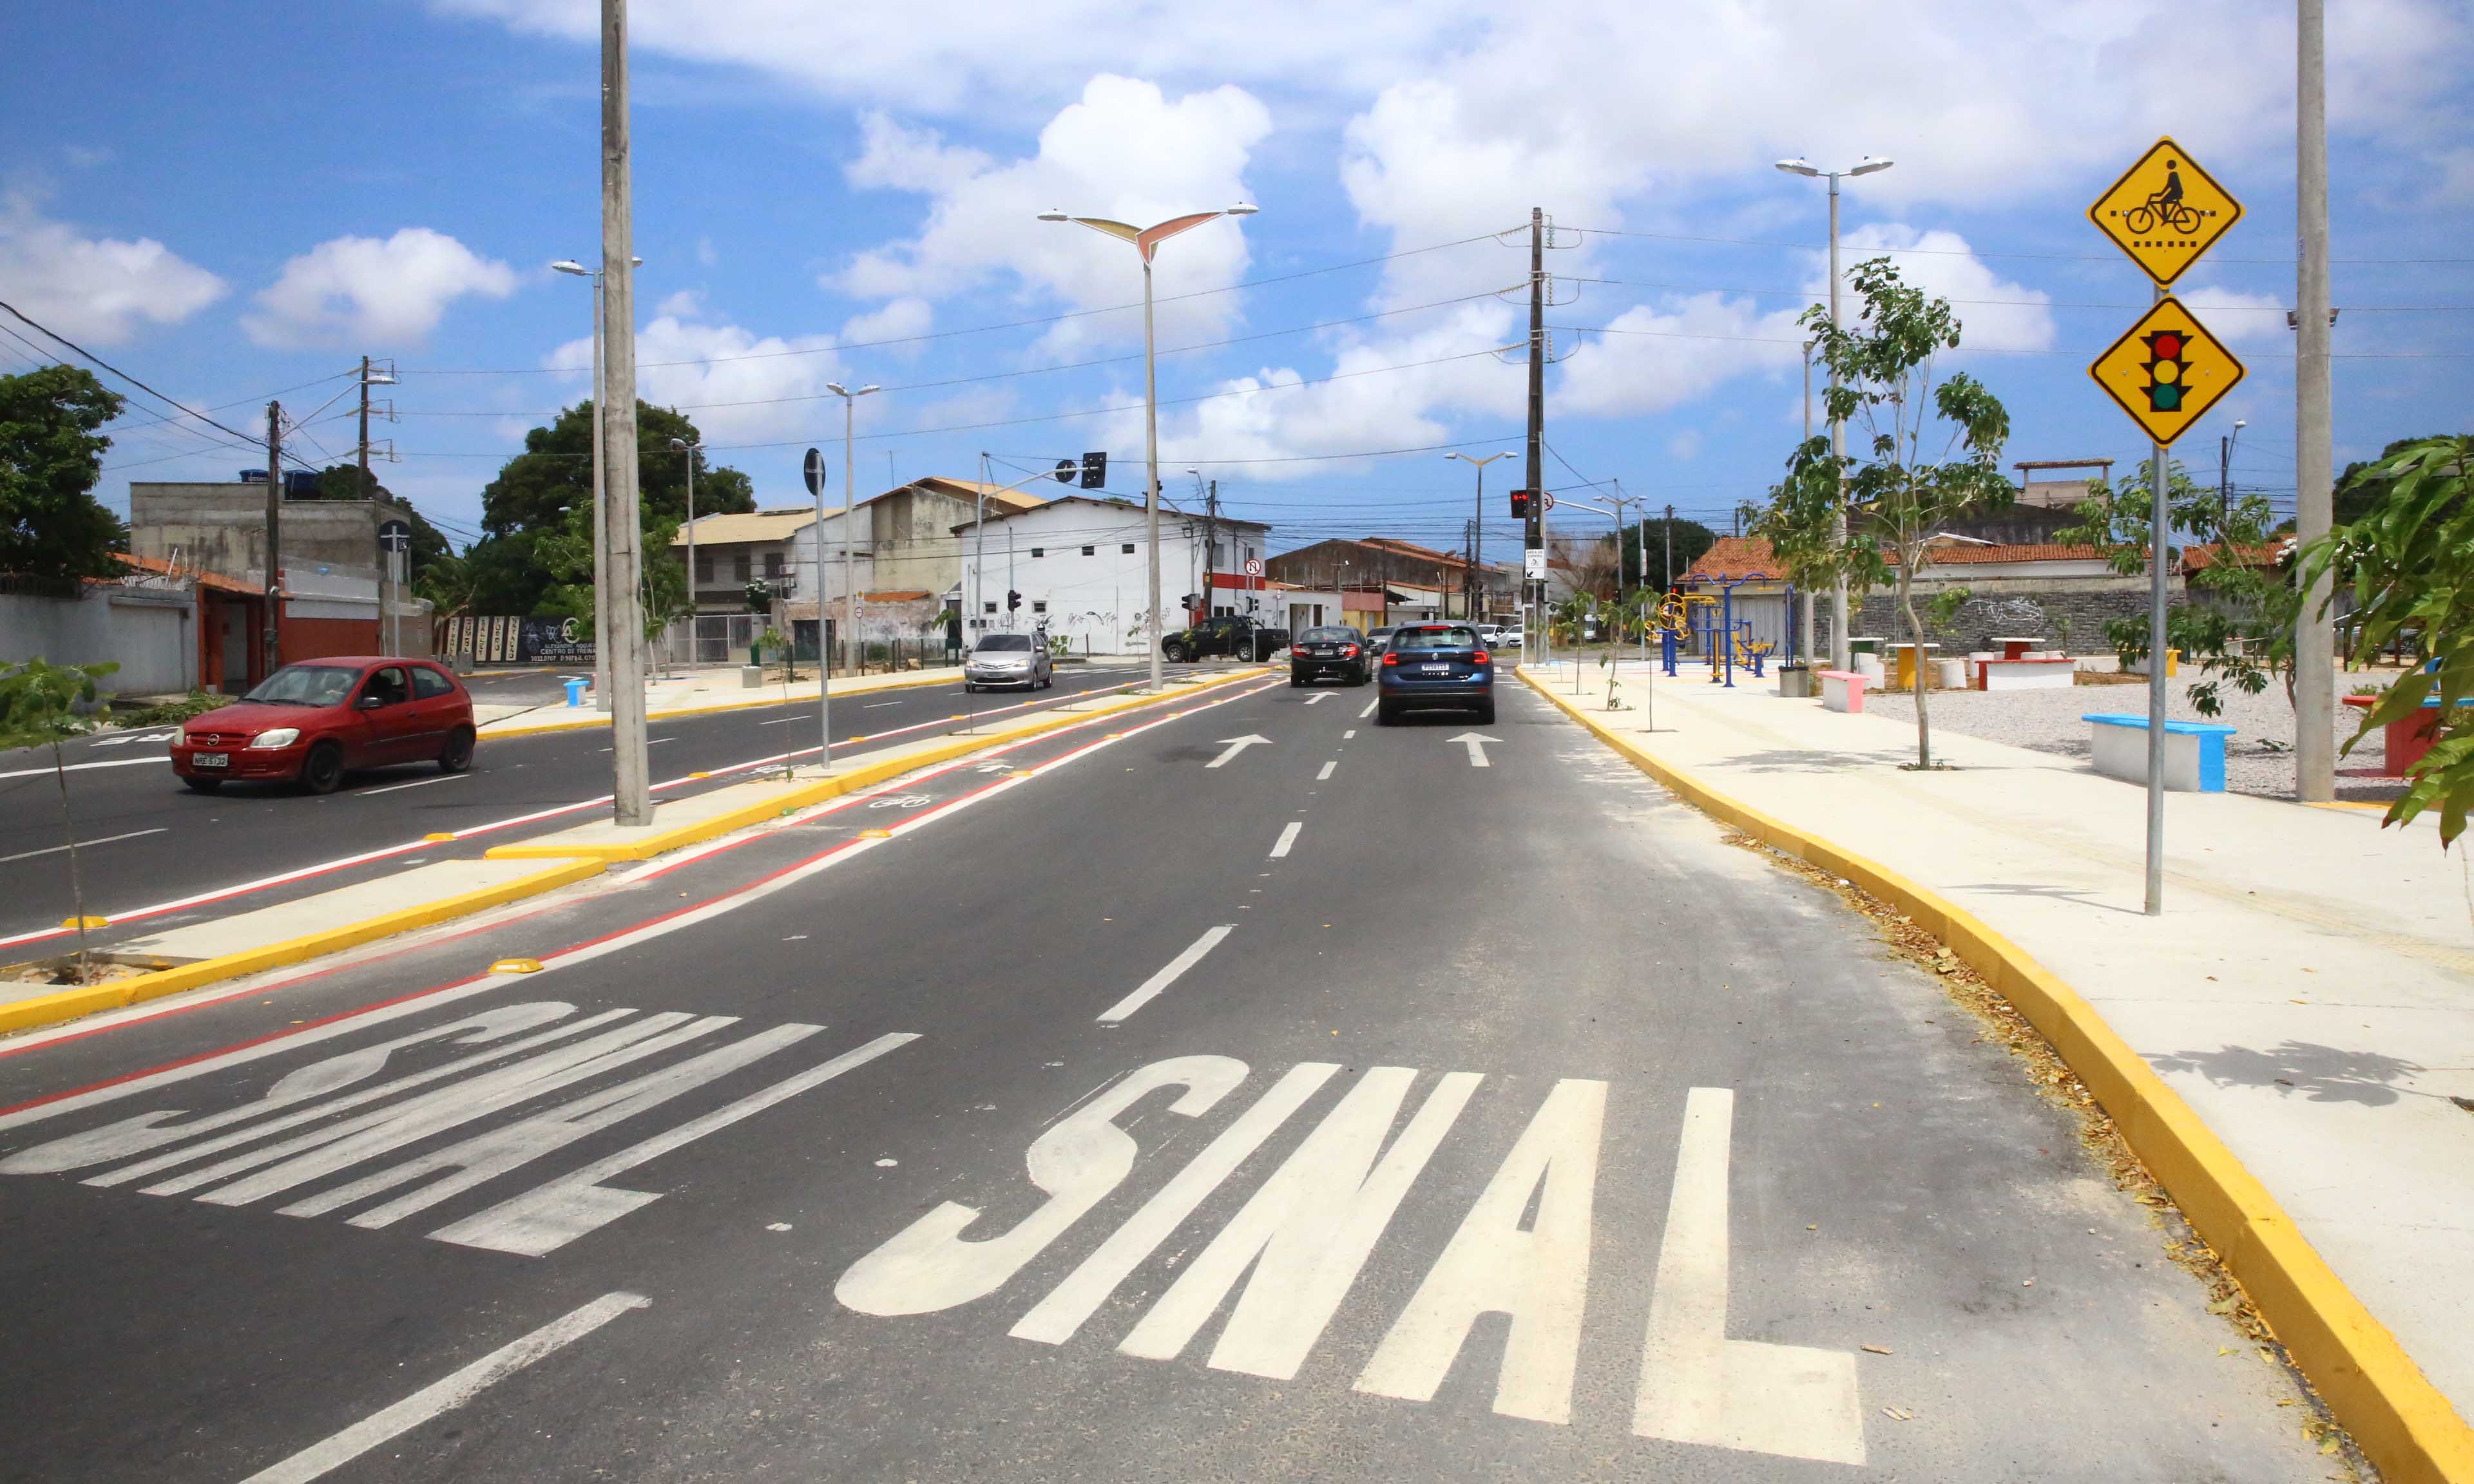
{"type": "Point", "coordinates": [69, 1004]}
{"type": "Point", "coordinates": [2401, 1422]}
{"type": "Point", "coordinates": [602, 718]}
{"type": "Point", "coordinates": [796, 797]}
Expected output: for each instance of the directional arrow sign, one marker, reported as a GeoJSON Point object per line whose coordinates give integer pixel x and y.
{"type": "Point", "coordinates": [1235, 745]}
{"type": "Point", "coordinates": [1477, 741]}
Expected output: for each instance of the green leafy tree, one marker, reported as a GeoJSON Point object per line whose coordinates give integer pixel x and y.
{"type": "Point", "coordinates": [2409, 564]}
{"type": "Point", "coordinates": [1800, 523]}
{"type": "Point", "coordinates": [2243, 634]}
{"type": "Point", "coordinates": [2366, 484]}
{"type": "Point", "coordinates": [1644, 547]}
{"type": "Point", "coordinates": [51, 454]}
{"type": "Point", "coordinates": [43, 705]}
{"type": "Point", "coordinates": [1934, 450]}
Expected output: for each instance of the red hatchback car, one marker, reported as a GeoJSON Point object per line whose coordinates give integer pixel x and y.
{"type": "Point", "coordinates": [312, 722]}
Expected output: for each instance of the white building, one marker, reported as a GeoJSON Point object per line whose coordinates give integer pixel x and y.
{"type": "Point", "coordinates": [1082, 566]}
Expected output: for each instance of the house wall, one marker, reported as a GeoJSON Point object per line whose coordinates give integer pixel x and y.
{"type": "Point", "coordinates": [1096, 600]}
{"type": "Point", "coordinates": [151, 635]}
{"type": "Point", "coordinates": [221, 528]}
{"type": "Point", "coordinates": [2009, 605]}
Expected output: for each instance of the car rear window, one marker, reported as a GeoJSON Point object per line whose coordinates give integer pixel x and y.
{"type": "Point", "coordinates": [1330, 635]}
{"type": "Point", "coordinates": [1455, 637]}
{"type": "Point", "coordinates": [1004, 641]}
{"type": "Point", "coordinates": [306, 684]}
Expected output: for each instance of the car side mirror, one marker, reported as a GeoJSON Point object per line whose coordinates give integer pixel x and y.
{"type": "Point", "coordinates": [368, 703]}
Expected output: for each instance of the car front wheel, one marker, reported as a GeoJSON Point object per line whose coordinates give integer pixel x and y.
{"type": "Point", "coordinates": [323, 769]}
{"type": "Point", "coordinates": [457, 755]}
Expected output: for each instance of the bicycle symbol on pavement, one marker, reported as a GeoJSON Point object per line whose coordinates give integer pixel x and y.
{"type": "Point", "coordinates": [901, 801]}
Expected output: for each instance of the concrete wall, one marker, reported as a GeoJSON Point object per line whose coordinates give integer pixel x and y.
{"type": "Point", "coordinates": [151, 636]}
{"type": "Point", "coordinates": [222, 529]}
{"type": "Point", "coordinates": [2012, 606]}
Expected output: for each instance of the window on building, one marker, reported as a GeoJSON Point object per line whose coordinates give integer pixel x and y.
{"type": "Point", "coordinates": [704, 566]}
{"type": "Point", "coordinates": [1089, 550]}
{"type": "Point", "coordinates": [1128, 548]}
{"type": "Point", "coordinates": [772, 563]}
{"type": "Point", "coordinates": [741, 568]}
{"type": "Point", "coordinates": [1215, 553]}
{"type": "Point", "coordinates": [1039, 551]}
{"type": "Point", "coordinates": [1039, 605]}
{"type": "Point", "coordinates": [988, 607]}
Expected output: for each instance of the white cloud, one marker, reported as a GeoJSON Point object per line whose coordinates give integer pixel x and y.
{"type": "Point", "coordinates": [901, 320]}
{"type": "Point", "coordinates": [1652, 359]}
{"type": "Point", "coordinates": [1125, 150]}
{"type": "Point", "coordinates": [685, 304]}
{"type": "Point", "coordinates": [1994, 312]}
{"type": "Point", "coordinates": [373, 291]}
{"type": "Point", "coordinates": [737, 387]}
{"type": "Point", "coordinates": [94, 288]}
{"type": "Point", "coordinates": [2233, 316]}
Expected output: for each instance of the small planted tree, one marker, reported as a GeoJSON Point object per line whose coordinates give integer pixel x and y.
{"type": "Point", "coordinates": [1930, 449]}
{"type": "Point", "coordinates": [44, 705]}
{"type": "Point", "coordinates": [1800, 524]}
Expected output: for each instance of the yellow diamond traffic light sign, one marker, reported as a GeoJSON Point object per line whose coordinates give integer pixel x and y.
{"type": "Point", "coordinates": [2164, 211]}
{"type": "Point", "coordinates": [2166, 370]}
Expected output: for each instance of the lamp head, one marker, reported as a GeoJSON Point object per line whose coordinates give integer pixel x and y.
{"type": "Point", "coordinates": [681, 445]}
{"type": "Point", "coordinates": [865, 390]}
{"type": "Point", "coordinates": [1798, 166]}
{"type": "Point", "coordinates": [1244, 209]}
{"type": "Point", "coordinates": [1868, 164]}
{"type": "Point", "coordinates": [835, 387]}
{"type": "Point", "coordinates": [1053, 214]}
{"type": "Point", "coordinates": [2241, 423]}
{"type": "Point", "coordinates": [568, 265]}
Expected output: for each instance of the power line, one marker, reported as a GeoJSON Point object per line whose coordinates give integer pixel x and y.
{"type": "Point", "coordinates": [2060, 257]}
{"type": "Point", "coordinates": [244, 439]}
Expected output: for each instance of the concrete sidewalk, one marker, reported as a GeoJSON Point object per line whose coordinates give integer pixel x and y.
{"type": "Point", "coordinates": [2309, 990]}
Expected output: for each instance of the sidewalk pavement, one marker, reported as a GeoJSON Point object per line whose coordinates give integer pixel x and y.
{"type": "Point", "coordinates": [698, 691]}
{"type": "Point", "coordinates": [2308, 993]}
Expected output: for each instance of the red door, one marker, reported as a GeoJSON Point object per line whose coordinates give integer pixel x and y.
{"type": "Point", "coordinates": [389, 727]}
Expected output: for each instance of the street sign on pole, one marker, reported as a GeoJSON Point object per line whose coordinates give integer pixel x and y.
{"type": "Point", "coordinates": [2166, 370]}
{"type": "Point", "coordinates": [814, 469]}
{"type": "Point", "coordinates": [2164, 211]}
{"type": "Point", "coordinates": [395, 536]}
{"type": "Point", "coordinates": [1066, 469]}
{"type": "Point", "coordinates": [1533, 564]}
{"type": "Point", "coordinates": [1546, 501]}
{"type": "Point", "coordinates": [1253, 566]}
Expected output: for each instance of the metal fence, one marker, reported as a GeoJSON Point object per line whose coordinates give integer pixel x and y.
{"type": "Point", "coordinates": [726, 638]}
{"type": "Point", "coordinates": [709, 638]}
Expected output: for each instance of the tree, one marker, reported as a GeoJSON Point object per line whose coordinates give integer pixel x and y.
{"type": "Point", "coordinates": [2244, 632]}
{"type": "Point", "coordinates": [43, 705]}
{"type": "Point", "coordinates": [51, 454]}
{"type": "Point", "coordinates": [1883, 382]}
{"type": "Point", "coordinates": [2409, 561]}
{"type": "Point", "coordinates": [1800, 524]}
{"type": "Point", "coordinates": [1692, 538]}
{"type": "Point", "coordinates": [2365, 484]}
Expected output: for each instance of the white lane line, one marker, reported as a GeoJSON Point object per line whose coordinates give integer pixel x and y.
{"type": "Point", "coordinates": [1370, 710]}
{"type": "Point", "coordinates": [1318, 696]}
{"type": "Point", "coordinates": [779, 721]}
{"type": "Point", "coordinates": [1327, 769]}
{"type": "Point", "coordinates": [1288, 837]}
{"type": "Point", "coordinates": [321, 1459]}
{"type": "Point", "coordinates": [55, 849]}
{"type": "Point", "coordinates": [443, 777]}
{"type": "Point", "coordinates": [1346, 735]}
{"type": "Point", "coordinates": [78, 767]}
{"type": "Point", "coordinates": [879, 705]}
{"type": "Point", "coordinates": [1176, 968]}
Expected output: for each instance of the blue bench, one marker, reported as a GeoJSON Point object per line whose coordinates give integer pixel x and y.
{"type": "Point", "coordinates": [2195, 751]}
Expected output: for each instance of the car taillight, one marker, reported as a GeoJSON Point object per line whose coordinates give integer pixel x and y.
{"type": "Point", "coordinates": [1349, 652]}
{"type": "Point", "coordinates": [1481, 657]}
{"type": "Point", "coordinates": [1389, 658]}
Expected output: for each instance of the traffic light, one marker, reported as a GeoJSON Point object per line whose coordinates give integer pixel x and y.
{"type": "Point", "coordinates": [1013, 600]}
{"type": "Point", "coordinates": [1519, 504]}
{"type": "Point", "coordinates": [2166, 370]}
{"type": "Point", "coordinates": [1095, 472]}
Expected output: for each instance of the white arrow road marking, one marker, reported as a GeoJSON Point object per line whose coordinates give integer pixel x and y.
{"type": "Point", "coordinates": [1697, 1385]}
{"type": "Point", "coordinates": [1288, 837]}
{"type": "Point", "coordinates": [1477, 741]}
{"type": "Point", "coordinates": [1175, 969]}
{"type": "Point", "coordinates": [321, 1459]}
{"type": "Point", "coordinates": [1235, 745]}
{"type": "Point", "coordinates": [1320, 695]}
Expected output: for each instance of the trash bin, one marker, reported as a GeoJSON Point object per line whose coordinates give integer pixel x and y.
{"type": "Point", "coordinates": [575, 689]}
{"type": "Point", "coordinates": [1795, 681]}
{"type": "Point", "coordinates": [750, 676]}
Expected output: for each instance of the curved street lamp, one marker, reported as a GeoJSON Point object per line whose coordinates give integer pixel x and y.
{"type": "Point", "coordinates": [1147, 241]}
{"type": "Point", "coordinates": [1477, 531]}
{"type": "Point", "coordinates": [850, 512]}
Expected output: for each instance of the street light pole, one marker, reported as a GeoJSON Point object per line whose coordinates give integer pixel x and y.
{"type": "Point", "coordinates": [850, 512]}
{"type": "Point", "coordinates": [1837, 428]}
{"type": "Point", "coordinates": [600, 497]}
{"type": "Point", "coordinates": [1477, 532]}
{"type": "Point", "coordinates": [1147, 241]}
{"type": "Point", "coordinates": [690, 450]}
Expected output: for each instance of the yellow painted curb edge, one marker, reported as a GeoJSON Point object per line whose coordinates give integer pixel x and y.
{"type": "Point", "coordinates": [602, 718]}
{"type": "Point", "coordinates": [2401, 1422]}
{"type": "Point", "coordinates": [866, 775]}
{"type": "Point", "coordinates": [69, 1004]}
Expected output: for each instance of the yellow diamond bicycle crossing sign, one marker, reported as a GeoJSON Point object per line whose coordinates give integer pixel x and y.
{"type": "Point", "coordinates": [2164, 211]}
{"type": "Point", "coordinates": [2166, 370]}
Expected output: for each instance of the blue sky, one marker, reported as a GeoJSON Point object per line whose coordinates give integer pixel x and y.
{"type": "Point", "coordinates": [817, 192]}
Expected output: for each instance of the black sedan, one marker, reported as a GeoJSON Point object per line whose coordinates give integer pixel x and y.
{"type": "Point", "coordinates": [1333, 650]}
{"type": "Point", "coordinates": [1440, 666]}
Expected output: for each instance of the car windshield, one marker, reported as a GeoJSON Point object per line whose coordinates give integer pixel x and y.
{"type": "Point", "coordinates": [1455, 637]}
{"type": "Point", "coordinates": [999, 643]}
{"type": "Point", "coordinates": [306, 684]}
{"type": "Point", "coordinates": [1330, 635]}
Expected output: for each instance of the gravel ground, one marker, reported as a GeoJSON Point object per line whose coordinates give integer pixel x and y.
{"type": "Point", "coordinates": [2259, 758]}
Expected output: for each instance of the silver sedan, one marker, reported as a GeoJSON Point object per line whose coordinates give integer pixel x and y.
{"type": "Point", "coordinates": [1009, 659]}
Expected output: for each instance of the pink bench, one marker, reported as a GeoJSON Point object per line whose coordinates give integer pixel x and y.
{"type": "Point", "coordinates": [1841, 690]}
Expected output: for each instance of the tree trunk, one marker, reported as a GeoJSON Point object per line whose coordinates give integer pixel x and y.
{"type": "Point", "coordinates": [1923, 683]}
{"type": "Point", "coordinates": [77, 882]}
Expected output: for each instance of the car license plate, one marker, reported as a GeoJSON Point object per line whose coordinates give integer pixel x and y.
{"type": "Point", "coordinates": [210, 760]}
{"type": "Point", "coordinates": [1435, 669]}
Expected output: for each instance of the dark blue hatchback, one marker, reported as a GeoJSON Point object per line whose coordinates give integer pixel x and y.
{"type": "Point", "coordinates": [1436, 666]}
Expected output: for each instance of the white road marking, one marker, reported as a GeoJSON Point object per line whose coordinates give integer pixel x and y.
{"type": "Point", "coordinates": [879, 705]}
{"type": "Point", "coordinates": [1235, 745]}
{"type": "Point", "coordinates": [55, 849]}
{"type": "Point", "coordinates": [80, 767]}
{"type": "Point", "coordinates": [1697, 1385]}
{"type": "Point", "coordinates": [927, 1265]}
{"type": "Point", "coordinates": [1349, 735]}
{"type": "Point", "coordinates": [1477, 741]}
{"type": "Point", "coordinates": [1053, 1319]}
{"type": "Point", "coordinates": [1175, 969]}
{"type": "Point", "coordinates": [1288, 837]}
{"type": "Point", "coordinates": [1327, 769]}
{"type": "Point", "coordinates": [1307, 1232]}
{"type": "Point", "coordinates": [1539, 1276]}
{"type": "Point", "coordinates": [1317, 697]}
{"type": "Point", "coordinates": [321, 1459]}
{"type": "Point", "coordinates": [126, 739]}
{"type": "Point", "coordinates": [544, 1219]}
{"type": "Point", "coordinates": [1370, 710]}
{"type": "Point", "coordinates": [443, 777]}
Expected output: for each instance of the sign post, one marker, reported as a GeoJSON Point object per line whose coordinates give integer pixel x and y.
{"type": "Point", "coordinates": [2165, 372]}
{"type": "Point", "coordinates": [394, 538]}
{"type": "Point", "coordinates": [813, 469]}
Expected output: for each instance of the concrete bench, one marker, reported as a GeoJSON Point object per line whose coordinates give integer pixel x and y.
{"type": "Point", "coordinates": [2025, 674]}
{"type": "Point", "coordinates": [1841, 690]}
{"type": "Point", "coordinates": [2195, 751]}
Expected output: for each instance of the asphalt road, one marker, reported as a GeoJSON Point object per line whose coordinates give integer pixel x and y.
{"type": "Point", "coordinates": [146, 842]}
{"type": "Point", "coordinates": [1345, 1111]}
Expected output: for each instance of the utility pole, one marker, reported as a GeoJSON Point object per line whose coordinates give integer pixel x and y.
{"type": "Point", "coordinates": [274, 637]}
{"type": "Point", "coordinates": [364, 489]}
{"type": "Point", "coordinates": [1534, 539]}
{"type": "Point", "coordinates": [1838, 450]}
{"type": "Point", "coordinates": [622, 527]}
{"type": "Point", "coordinates": [1668, 583]}
{"type": "Point", "coordinates": [2315, 638]}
